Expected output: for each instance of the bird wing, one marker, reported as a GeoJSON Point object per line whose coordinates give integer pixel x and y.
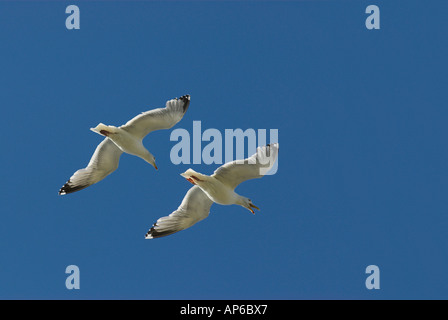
{"type": "Point", "coordinates": [157, 119]}
{"type": "Point", "coordinates": [256, 166]}
{"type": "Point", "coordinates": [103, 162]}
{"type": "Point", "coordinates": [194, 207]}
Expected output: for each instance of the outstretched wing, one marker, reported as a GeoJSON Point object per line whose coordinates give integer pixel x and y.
{"type": "Point", "coordinates": [157, 119]}
{"type": "Point", "coordinates": [256, 166]}
{"type": "Point", "coordinates": [194, 207]}
{"type": "Point", "coordinates": [103, 162]}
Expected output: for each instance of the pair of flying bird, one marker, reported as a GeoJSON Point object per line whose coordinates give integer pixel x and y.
{"type": "Point", "coordinates": [196, 204]}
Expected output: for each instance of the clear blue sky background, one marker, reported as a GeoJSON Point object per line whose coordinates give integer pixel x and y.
{"type": "Point", "coordinates": [362, 120]}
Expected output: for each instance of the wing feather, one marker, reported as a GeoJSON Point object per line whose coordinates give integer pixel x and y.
{"type": "Point", "coordinates": [157, 119]}
{"type": "Point", "coordinates": [256, 166]}
{"type": "Point", "coordinates": [104, 161]}
{"type": "Point", "coordinates": [194, 207]}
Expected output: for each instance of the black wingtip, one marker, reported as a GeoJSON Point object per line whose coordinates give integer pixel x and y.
{"type": "Point", "coordinates": [153, 233]}
{"type": "Point", "coordinates": [186, 100]}
{"type": "Point", "coordinates": [270, 146]}
{"type": "Point", "coordinates": [67, 188]}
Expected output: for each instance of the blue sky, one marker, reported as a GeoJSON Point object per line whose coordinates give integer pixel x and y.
{"type": "Point", "coordinates": [361, 180]}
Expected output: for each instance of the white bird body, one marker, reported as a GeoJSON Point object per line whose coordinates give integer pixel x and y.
{"type": "Point", "coordinates": [124, 140]}
{"type": "Point", "coordinates": [219, 188]}
{"type": "Point", "coordinates": [216, 190]}
{"type": "Point", "coordinates": [127, 138]}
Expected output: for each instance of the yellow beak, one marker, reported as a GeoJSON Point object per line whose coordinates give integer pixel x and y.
{"type": "Point", "coordinates": [253, 206]}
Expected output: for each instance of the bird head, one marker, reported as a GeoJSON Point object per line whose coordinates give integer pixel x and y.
{"type": "Point", "coordinates": [247, 203]}
{"type": "Point", "coordinates": [154, 164]}
{"type": "Point", "coordinates": [151, 160]}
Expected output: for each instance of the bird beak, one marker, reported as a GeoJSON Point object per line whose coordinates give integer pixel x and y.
{"type": "Point", "coordinates": [155, 166]}
{"type": "Point", "coordinates": [253, 206]}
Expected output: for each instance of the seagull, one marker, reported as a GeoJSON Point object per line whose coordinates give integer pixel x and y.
{"type": "Point", "coordinates": [219, 188]}
{"type": "Point", "coordinates": [126, 138]}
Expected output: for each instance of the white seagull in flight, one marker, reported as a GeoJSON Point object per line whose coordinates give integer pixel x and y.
{"type": "Point", "coordinates": [126, 138]}
{"type": "Point", "coordinates": [218, 188]}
